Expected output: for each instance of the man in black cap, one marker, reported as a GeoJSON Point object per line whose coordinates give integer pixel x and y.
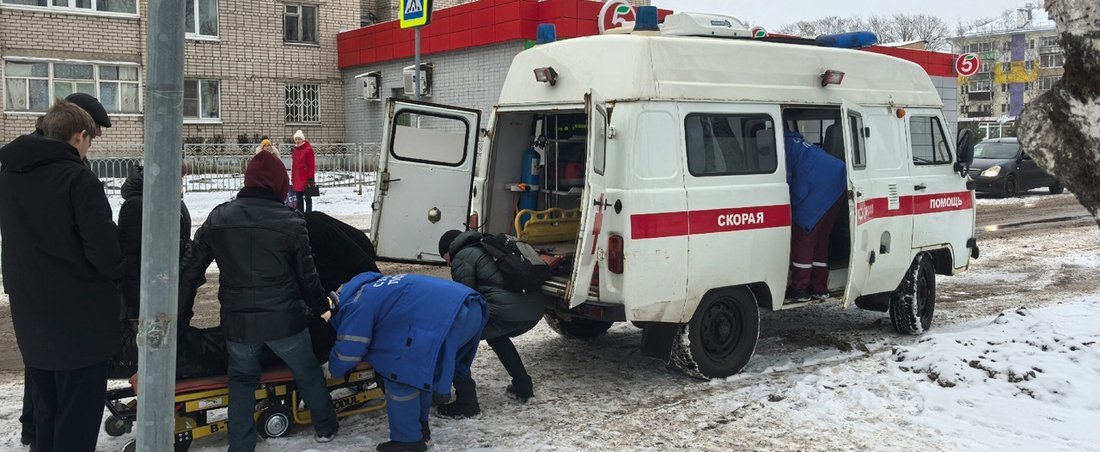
{"type": "Point", "coordinates": [99, 115]}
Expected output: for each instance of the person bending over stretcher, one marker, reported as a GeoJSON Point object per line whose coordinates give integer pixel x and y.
{"type": "Point", "coordinates": [419, 333]}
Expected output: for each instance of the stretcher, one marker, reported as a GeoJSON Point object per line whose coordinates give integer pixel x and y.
{"type": "Point", "coordinates": [277, 404]}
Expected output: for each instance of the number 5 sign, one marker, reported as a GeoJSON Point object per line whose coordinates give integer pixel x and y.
{"type": "Point", "coordinates": [968, 64]}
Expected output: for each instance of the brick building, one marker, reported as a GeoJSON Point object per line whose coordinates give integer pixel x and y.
{"type": "Point", "coordinates": [1021, 59]}
{"type": "Point", "coordinates": [252, 67]}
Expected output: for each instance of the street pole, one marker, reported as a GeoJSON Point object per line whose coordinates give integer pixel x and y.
{"type": "Point", "coordinates": [416, 64]}
{"type": "Point", "coordinates": [160, 226]}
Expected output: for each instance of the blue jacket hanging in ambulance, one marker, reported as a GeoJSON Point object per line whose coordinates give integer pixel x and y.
{"type": "Point", "coordinates": [817, 180]}
{"type": "Point", "coordinates": [398, 324]}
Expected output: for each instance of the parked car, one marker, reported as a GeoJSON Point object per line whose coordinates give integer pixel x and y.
{"type": "Point", "coordinates": [1002, 167]}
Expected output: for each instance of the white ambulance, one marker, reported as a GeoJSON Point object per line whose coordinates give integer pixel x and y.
{"type": "Point", "coordinates": [662, 184]}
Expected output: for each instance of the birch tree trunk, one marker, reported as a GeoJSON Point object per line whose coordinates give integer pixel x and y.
{"type": "Point", "coordinates": [1061, 128]}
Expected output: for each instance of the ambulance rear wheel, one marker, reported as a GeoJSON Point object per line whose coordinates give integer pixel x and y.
{"type": "Point", "coordinates": [721, 336]}
{"type": "Point", "coordinates": [912, 305]}
{"type": "Point", "coordinates": [114, 426]}
{"type": "Point", "coordinates": [576, 327]}
{"type": "Point", "coordinates": [274, 422]}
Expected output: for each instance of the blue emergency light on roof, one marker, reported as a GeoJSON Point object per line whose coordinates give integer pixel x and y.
{"type": "Point", "coordinates": [646, 19]}
{"type": "Point", "coordinates": [546, 34]}
{"type": "Point", "coordinates": [853, 40]}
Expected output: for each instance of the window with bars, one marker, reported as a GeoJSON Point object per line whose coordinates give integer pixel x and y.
{"type": "Point", "coordinates": [300, 24]}
{"type": "Point", "coordinates": [100, 6]}
{"type": "Point", "coordinates": [201, 19]}
{"type": "Point", "coordinates": [201, 100]}
{"type": "Point", "coordinates": [29, 86]}
{"type": "Point", "coordinates": [303, 103]}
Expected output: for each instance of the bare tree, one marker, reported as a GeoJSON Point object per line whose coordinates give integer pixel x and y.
{"type": "Point", "coordinates": [1059, 129]}
{"type": "Point", "coordinates": [899, 27]}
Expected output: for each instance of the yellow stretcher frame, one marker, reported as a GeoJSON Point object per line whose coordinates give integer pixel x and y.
{"type": "Point", "coordinates": [548, 226]}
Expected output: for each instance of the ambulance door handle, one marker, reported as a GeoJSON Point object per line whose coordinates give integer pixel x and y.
{"type": "Point", "coordinates": [600, 203]}
{"type": "Point", "coordinates": [920, 187]}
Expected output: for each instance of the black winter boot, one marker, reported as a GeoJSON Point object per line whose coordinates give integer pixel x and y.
{"type": "Point", "coordinates": [398, 446]}
{"type": "Point", "coordinates": [521, 395]}
{"type": "Point", "coordinates": [426, 432]}
{"type": "Point", "coordinates": [458, 410]}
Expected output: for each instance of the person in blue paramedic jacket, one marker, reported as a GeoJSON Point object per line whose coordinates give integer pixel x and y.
{"type": "Point", "coordinates": [418, 332]}
{"type": "Point", "coordinates": [817, 181]}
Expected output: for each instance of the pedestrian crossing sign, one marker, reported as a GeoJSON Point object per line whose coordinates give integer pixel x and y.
{"type": "Point", "coordinates": [415, 13]}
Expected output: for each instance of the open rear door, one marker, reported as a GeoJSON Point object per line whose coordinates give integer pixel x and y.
{"type": "Point", "coordinates": [860, 205]}
{"type": "Point", "coordinates": [425, 174]}
{"type": "Point", "coordinates": [593, 202]}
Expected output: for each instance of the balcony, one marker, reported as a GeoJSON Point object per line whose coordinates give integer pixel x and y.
{"type": "Point", "coordinates": [979, 96]}
{"type": "Point", "coordinates": [1050, 49]}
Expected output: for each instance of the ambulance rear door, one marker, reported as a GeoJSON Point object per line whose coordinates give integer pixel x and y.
{"type": "Point", "coordinates": [425, 176]}
{"type": "Point", "coordinates": [594, 203]}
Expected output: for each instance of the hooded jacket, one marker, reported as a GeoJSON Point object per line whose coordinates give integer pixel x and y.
{"type": "Point", "coordinates": [473, 267]}
{"type": "Point", "coordinates": [269, 284]}
{"type": "Point", "coordinates": [60, 256]}
{"type": "Point", "coordinates": [129, 238]}
{"type": "Point", "coordinates": [817, 180]}
{"type": "Point", "coordinates": [398, 323]}
{"type": "Point", "coordinates": [302, 168]}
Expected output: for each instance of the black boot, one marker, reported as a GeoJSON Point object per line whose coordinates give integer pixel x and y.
{"type": "Point", "coordinates": [465, 404]}
{"type": "Point", "coordinates": [426, 432]}
{"type": "Point", "coordinates": [521, 388]}
{"type": "Point", "coordinates": [398, 446]}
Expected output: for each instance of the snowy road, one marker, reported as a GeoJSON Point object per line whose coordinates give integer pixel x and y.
{"type": "Point", "coordinates": [823, 378]}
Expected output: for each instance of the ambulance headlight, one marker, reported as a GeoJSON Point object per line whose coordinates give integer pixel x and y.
{"type": "Point", "coordinates": [546, 75]}
{"type": "Point", "coordinates": [992, 171]}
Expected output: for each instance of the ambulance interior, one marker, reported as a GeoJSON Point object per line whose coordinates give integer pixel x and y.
{"type": "Point", "coordinates": [822, 126]}
{"type": "Point", "coordinates": [535, 181]}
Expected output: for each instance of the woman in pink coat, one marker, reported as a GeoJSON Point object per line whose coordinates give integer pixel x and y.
{"type": "Point", "coordinates": [302, 172]}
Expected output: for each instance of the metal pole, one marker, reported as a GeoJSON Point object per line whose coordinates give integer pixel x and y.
{"type": "Point", "coordinates": [160, 226]}
{"type": "Point", "coordinates": [359, 176]}
{"type": "Point", "coordinates": [416, 64]}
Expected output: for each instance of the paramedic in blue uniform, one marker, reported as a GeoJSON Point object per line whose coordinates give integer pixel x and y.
{"type": "Point", "coordinates": [817, 182]}
{"type": "Point", "coordinates": [419, 333]}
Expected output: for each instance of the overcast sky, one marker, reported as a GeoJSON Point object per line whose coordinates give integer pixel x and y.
{"type": "Point", "coordinates": [772, 14]}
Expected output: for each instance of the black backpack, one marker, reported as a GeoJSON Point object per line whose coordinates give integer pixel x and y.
{"type": "Point", "coordinates": [522, 267]}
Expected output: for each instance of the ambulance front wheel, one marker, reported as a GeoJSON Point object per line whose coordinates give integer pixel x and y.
{"type": "Point", "coordinates": [912, 305]}
{"type": "Point", "coordinates": [576, 327]}
{"type": "Point", "coordinates": [721, 336]}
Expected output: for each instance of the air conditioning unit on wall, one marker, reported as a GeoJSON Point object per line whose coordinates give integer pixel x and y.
{"type": "Point", "coordinates": [371, 86]}
{"type": "Point", "coordinates": [425, 80]}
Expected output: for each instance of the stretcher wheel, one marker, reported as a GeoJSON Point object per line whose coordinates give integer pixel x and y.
{"type": "Point", "coordinates": [274, 422]}
{"type": "Point", "coordinates": [115, 426]}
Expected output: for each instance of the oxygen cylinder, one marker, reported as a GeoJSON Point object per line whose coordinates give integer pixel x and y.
{"type": "Point", "coordinates": [529, 174]}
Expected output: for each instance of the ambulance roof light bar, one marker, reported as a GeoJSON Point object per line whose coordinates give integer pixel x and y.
{"type": "Point", "coordinates": [546, 33]}
{"type": "Point", "coordinates": [646, 19]}
{"type": "Point", "coordinates": [852, 40]}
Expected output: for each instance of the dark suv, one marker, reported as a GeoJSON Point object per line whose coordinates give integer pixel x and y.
{"type": "Point", "coordinates": [1002, 167]}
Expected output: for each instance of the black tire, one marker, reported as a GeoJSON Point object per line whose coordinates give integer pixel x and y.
{"type": "Point", "coordinates": [721, 336]}
{"type": "Point", "coordinates": [182, 447]}
{"type": "Point", "coordinates": [1012, 186]}
{"type": "Point", "coordinates": [1056, 189]}
{"type": "Point", "coordinates": [131, 446]}
{"type": "Point", "coordinates": [912, 305]}
{"type": "Point", "coordinates": [274, 422]}
{"type": "Point", "coordinates": [116, 427]}
{"type": "Point", "coordinates": [577, 328]}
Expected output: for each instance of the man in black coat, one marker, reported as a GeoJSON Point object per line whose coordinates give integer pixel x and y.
{"type": "Point", "coordinates": [61, 265]}
{"type": "Point", "coordinates": [510, 315]}
{"type": "Point", "coordinates": [268, 289]}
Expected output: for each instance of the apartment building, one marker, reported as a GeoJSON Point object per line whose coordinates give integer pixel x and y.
{"type": "Point", "coordinates": [1021, 59]}
{"type": "Point", "coordinates": [252, 67]}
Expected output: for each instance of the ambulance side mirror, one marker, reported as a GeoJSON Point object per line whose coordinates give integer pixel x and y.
{"type": "Point", "coordinates": [964, 151]}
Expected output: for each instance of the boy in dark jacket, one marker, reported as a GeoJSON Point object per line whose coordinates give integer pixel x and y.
{"type": "Point", "coordinates": [419, 333]}
{"type": "Point", "coordinates": [269, 288]}
{"type": "Point", "coordinates": [61, 266]}
{"type": "Point", "coordinates": [510, 315]}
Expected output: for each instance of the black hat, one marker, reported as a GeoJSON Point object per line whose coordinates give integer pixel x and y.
{"type": "Point", "coordinates": [92, 106]}
{"type": "Point", "coordinates": [445, 241]}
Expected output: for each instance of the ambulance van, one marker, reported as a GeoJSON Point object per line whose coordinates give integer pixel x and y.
{"type": "Point", "coordinates": [648, 166]}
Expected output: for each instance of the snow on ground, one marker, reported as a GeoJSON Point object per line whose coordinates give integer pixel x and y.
{"type": "Point", "coordinates": [1026, 199]}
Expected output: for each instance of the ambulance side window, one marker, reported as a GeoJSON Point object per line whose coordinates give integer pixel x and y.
{"type": "Point", "coordinates": [859, 153]}
{"type": "Point", "coordinates": [929, 142]}
{"type": "Point", "coordinates": [732, 144]}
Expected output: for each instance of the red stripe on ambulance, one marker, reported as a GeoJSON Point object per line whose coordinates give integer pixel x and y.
{"type": "Point", "coordinates": [695, 222]}
{"type": "Point", "coordinates": [914, 205]}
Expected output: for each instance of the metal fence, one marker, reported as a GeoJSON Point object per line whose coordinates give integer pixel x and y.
{"type": "Point", "coordinates": [220, 167]}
